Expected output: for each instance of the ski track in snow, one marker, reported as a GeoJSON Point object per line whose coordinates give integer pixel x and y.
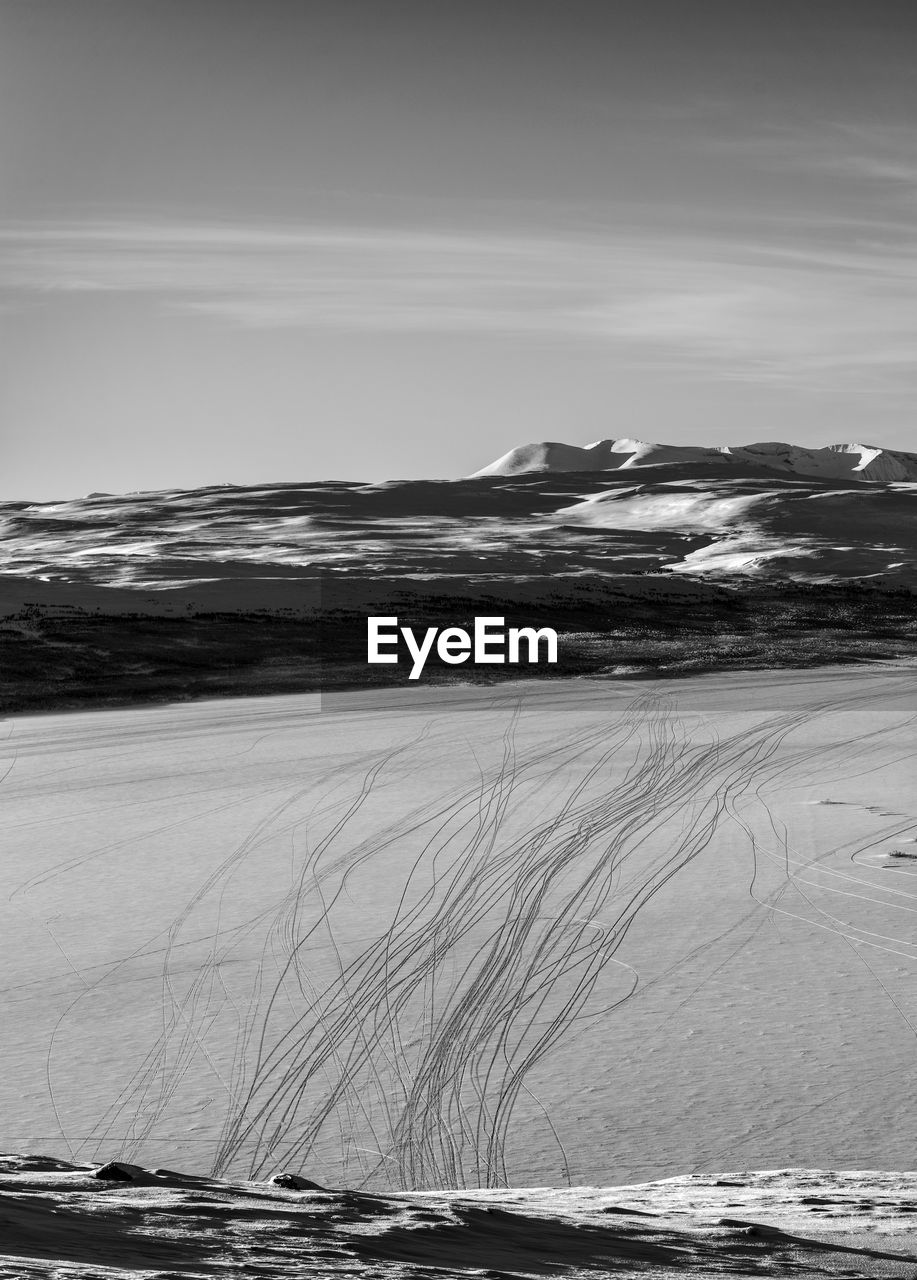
{"type": "Point", "coordinates": [412, 1048]}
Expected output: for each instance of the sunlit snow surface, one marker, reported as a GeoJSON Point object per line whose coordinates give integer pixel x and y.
{"type": "Point", "coordinates": [576, 933]}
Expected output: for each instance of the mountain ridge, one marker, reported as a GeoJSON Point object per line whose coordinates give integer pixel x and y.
{"type": "Point", "coordinates": [864, 463]}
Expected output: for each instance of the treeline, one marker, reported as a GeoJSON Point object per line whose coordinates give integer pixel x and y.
{"type": "Point", "coordinates": [53, 660]}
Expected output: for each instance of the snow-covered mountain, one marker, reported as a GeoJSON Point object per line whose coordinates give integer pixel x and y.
{"type": "Point", "coordinates": [835, 461]}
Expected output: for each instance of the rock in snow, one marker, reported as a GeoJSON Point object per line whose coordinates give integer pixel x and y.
{"type": "Point", "coordinates": [118, 1171]}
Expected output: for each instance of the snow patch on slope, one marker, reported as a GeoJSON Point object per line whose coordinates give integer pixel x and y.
{"type": "Point", "coordinates": [738, 543]}
{"type": "Point", "coordinates": [687, 511]}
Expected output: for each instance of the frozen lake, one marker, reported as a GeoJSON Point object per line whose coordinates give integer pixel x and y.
{"type": "Point", "coordinates": [582, 931]}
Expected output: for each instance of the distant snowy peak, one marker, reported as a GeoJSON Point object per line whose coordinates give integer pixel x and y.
{"type": "Point", "coordinates": [835, 461]}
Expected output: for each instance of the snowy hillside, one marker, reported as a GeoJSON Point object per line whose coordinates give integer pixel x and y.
{"type": "Point", "coordinates": [541, 512]}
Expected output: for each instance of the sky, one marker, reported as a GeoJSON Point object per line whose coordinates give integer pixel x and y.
{"type": "Point", "coordinates": [292, 240]}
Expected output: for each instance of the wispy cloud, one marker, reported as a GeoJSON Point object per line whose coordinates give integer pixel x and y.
{"type": "Point", "coordinates": [880, 159]}
{"type": "Point", "coordinates": [751, 309]}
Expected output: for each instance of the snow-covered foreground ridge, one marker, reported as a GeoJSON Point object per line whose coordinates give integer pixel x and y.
{"type": "Point", "coordinates": [853, 461]}
{"type": "Point", "coordinates": [60, 1218]}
